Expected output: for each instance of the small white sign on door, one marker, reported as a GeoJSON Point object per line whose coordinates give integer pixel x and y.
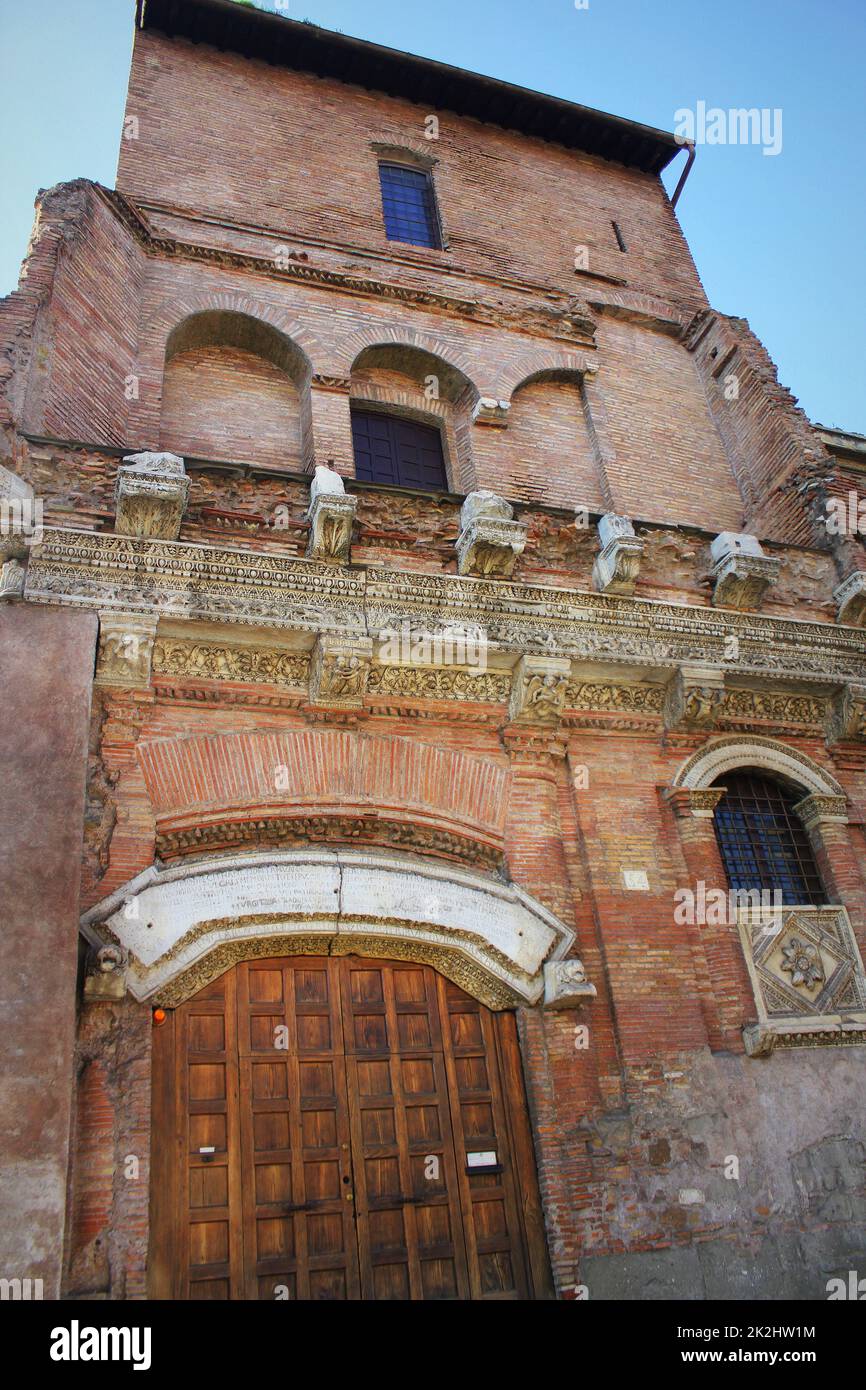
{"type": "Point", "coordinates": [481, 1160]}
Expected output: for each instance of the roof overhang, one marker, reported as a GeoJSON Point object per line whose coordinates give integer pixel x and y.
{"type": "Point", "coordinates": [289, 43]}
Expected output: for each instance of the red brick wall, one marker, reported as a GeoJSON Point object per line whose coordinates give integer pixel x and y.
{"type": "Point", "coordinates": [242, 141]}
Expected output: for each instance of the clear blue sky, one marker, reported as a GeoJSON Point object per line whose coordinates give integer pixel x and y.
{"type": "Point", "coordinates": [778, 240]}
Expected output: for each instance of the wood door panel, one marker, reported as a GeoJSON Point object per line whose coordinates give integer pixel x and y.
{"type": "Point", "coordinates": [298, 1227]}
{"type": "Point", "coordinates": [313, 1121]}
{"type": "Point", "coordinates": [410, 1246]}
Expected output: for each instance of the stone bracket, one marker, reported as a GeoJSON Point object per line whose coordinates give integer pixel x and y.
{"type": "Point", "coordinates": [538, 690]}
{"type": "Point", "coordinates": [490, 542]}
{"type": "Point", "coordinates": [125, 653]}
{"type": "Point", "coordinates": [617, 565]}
{"type": "Point", "coordinates": [339, 671]}
{"type": "Point", "coordinates": [846, 718]}
{"type": "Point", "coordinates": [150, 496]}
{"type": "Point", "coordinates": [741, 571]}
{"type": "Point", "coordinates": [566, 985]}
{"type": "Point", "coordinates": [694, 698]}
{"type": "Point", "coordinates": [331, 516]}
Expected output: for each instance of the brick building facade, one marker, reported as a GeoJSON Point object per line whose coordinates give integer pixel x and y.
{"type": "Point", "coordinates": [270, 721]}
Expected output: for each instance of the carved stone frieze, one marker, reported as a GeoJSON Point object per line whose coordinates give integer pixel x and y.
{"type": "Point", "coordinates": [219, 662]}
{"type": "Point", "coordinates": [779, 706]}
{"type": "Point", "coordinates": [490, 542]}
{"type": "Point", "coordinates": [617, 564]}
{"type": "Point", "coordinates": [125, 649]}
{"type": "Point", "coordinates": [150, 495]}
{"type": "Point", "coordinates": [374, 829]}
{"type": "Point", "coordinates": [339, 670]}
{"type": "Point", "coordinates": [850, 598]}
{"type": "Point", "coordinates": [807, 977]}
{"type": "Point", "coordinates": [439, 683]}
{"type": "Point", "coordinates": [618, 699]}
{"type": "Point", "coordinates": [538, 690]}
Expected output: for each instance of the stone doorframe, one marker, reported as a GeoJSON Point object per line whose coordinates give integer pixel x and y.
{"type": "Point", "coordinates": [179, 927]}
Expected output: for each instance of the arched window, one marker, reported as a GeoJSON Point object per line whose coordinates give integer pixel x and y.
{"type": "Point", "coordinates": [762, 840]}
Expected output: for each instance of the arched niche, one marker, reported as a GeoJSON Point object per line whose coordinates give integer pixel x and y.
{"type": "Point", "coordinates": [236, 388]}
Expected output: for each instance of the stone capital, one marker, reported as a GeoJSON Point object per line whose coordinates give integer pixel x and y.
{"type": "Point", "coordinates": [817, 810]}
{"type": "Point", "coordinates": [694, 802]}
{"type": "Point", "coordinates": [125, 650]}
{"type": "Point", "coordinates": [489, 411]}
{"type": "Point", "coordinates": [538, 690]}
{"type": "Point", "coordinates": [331, 516]}
{"type": "Point", "coordinates": [13, 574]}
{"type": "Point", "coordinates": [150, 496]}
{"type": "Point", "coordinates": [339, 671]}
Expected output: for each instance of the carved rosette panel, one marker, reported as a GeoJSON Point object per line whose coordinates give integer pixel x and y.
{"type": "Point", "coordinates": [807, 976]}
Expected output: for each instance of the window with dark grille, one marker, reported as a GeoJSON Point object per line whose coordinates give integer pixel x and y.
{"type": "Point", "coordinates": [763, 842]}
{"type": "Point", "coordinates": [409, 205]}
{"type": "Point", "coordinates": [389, 449]}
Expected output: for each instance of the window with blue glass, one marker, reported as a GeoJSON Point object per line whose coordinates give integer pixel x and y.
{"type": "Point", "coordinates": [763, 842]}
{"type": "Point", "coordinates": [409, 205]}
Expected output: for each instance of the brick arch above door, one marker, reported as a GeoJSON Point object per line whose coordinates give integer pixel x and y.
{"type": "Point", "coordinates": [249, 790]}
{"type": "Point", "coordinates": [182, 926]}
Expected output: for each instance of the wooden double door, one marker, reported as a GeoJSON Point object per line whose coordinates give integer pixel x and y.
{"type": "Point", "coordinates": [339, 1128]}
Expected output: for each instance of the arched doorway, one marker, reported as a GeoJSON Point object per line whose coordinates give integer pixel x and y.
{"type": "Point", "coordinates": [341, 1128]}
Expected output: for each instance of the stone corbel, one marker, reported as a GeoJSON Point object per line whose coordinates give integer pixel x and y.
{"type": "Point", "coordinates": [125, 650]}
{"type": "Point", "coordinates": [340, 670]}
{"type": "Point", "coordinates": [566, 985]}
{"type": "Point", "coordinates": [846, 715]}
{"type": "Point", "coordinates": [694, 697]}
{"type": "Point", "coordinates": [150, 496]}
{"type": "Point", "coordinates": [816, 810]}
{"type": "Point", "coordinates": [106, 982]}
{"type": "Point", "coordinates": [617, 565]}
{"type": "Point", "coordinates": [490, 542]}
{"type": "Point", "coordinates": [331, 516]}
{"type": "Point", "coordinates": [538, 690]}
{"type": "Point", "coordinates": [850, 599]}
{"type": "Point", "coordinates": [741, 571]}
{"type": "Point", "coordinates": [489, 411]}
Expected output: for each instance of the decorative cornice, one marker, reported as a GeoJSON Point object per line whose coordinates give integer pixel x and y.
{"type": "Point", "coordinates": [173, 579]}
{"type": "Point", "coordinates": [364, 828]}
{"type": "Point", "coordinates": [542, 320]}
